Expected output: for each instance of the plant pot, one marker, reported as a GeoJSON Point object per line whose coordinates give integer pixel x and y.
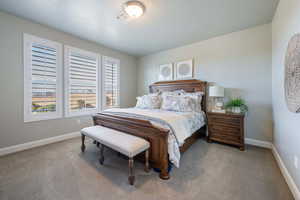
{"type": "Point", "coordinates": [236, 109]}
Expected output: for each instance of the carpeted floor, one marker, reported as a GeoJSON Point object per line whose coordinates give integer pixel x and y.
{"type": "Point", "coordinates": [207, 172]}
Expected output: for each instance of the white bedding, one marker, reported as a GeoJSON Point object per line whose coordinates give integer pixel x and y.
{"type": "Point", "coordinates": [181, 125]}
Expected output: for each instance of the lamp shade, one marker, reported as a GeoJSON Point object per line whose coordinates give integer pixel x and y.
{"type": "Point", "coordinates": [216, 91]}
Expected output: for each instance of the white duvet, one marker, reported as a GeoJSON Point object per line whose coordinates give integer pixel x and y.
{"type": "Point", "coordinates": [181, 125]}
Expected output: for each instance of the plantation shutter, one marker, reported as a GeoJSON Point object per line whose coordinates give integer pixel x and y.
{"type": "Point", "coordinates": [111, 82]}
{"type": "Point", "coordinates": [81, 81]}
{"type": "Point", "coordinates": [42, 70]}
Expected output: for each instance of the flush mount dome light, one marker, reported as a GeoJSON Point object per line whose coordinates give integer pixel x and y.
{"type": "Point", "coordinates": [134, 8]}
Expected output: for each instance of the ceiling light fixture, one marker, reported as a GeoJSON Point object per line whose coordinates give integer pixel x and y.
{"type": "Point", "coordinates": [133, 9]}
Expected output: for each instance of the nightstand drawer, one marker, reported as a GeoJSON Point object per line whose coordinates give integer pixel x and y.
{"type": "Point", "coordinates": [226, 130]}
{"type": "Point", "coordinates": [225, 121]}
{"type": "Point", "coordinates": [226, 138]}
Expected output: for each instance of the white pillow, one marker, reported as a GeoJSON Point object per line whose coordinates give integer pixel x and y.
{"type": "Point", "coordinates": [150, 101]}
{"type": "Point", "coordinates": [197, 98]}
{"type": "Point", "coordinates": [178, 103]}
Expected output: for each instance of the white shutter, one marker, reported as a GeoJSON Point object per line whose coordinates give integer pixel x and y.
{"type": "Point", "coordinates": [81, 82]}
{"type": "Point", "coordinates": [111, 82]}
{"type": "Point", "coordinates": [42, 79]}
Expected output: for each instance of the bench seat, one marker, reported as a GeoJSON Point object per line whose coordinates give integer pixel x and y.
{"type": "Point", "coordinates": [123, 143]}
{"type": "Point", "coordinates": [126, 144]}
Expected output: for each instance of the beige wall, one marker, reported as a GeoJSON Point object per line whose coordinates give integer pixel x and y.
{"type": "Point", "coordinates": [13, 130]}
{"type": "Point", "coordinates": [285, 24]}
{"type": "Point", "coordinates": [240, 62]}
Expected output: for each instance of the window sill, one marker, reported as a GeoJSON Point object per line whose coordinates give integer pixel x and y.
{"type": "Point", "coordinates": [40, 118]}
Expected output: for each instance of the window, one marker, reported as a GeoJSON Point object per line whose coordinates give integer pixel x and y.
{"type": "Point", "coordinates": [42, 79]}
{"type": "Point", "coordinates": [111, 83]}
{"type": "Point", "coordinates": [81, 82]}
{"type": "Point", "coordinates": [84, 83]}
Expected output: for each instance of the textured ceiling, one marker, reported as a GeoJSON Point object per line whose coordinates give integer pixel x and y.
{"type": "Point", "coordinates": [166, 23]}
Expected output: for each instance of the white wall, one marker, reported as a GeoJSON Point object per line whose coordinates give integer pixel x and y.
{"type": "Point", "coordinates": [13, 130]}
{"type": "Point", "coordinates": [240, 62]}
{"type": "Point", "coordinates": [285, 24]}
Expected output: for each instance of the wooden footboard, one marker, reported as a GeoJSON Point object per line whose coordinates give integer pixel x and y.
{"type": "Point", "coordinates": [157, 137]}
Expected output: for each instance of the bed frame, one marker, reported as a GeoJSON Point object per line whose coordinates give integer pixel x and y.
{"type": "Point", "coordinates": [157, 137]}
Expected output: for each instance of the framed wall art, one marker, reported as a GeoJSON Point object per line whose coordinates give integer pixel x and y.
{"type": "Point", "coordinates": [185, 69]}
{"type": "Point", "coordinates": [166, 72]}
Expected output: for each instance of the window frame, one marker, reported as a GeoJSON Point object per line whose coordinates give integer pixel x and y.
{"type": "Point", "coordinates": [28, 40]}
{"type": "Point", "coordinates": [62, 80]}
{"type": "Point", "coordinates": [67, 51]}
{"type": "Point", "coordinates": [117, 61]}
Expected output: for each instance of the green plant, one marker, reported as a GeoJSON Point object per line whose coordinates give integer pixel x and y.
{"type": "Point", "coordinates": [237, 102]}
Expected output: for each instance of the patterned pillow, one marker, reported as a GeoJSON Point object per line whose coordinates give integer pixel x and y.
{"type": "Point", "coordinates": [150, 101]}
{"type": "Point", "coordinates": [174, 93]}
{"type": "Point", "coordinates": [196, 97]}
{"type": "Point", "coordinates": [178, 103]}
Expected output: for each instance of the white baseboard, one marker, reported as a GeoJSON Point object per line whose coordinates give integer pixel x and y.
{"type": "Point", "coordinates": [30, 145]}
{"type": "Point", "coordinates": [288, 178]}
{"type": "Point", "coordinates": [258, 143]}
{"type": "Point", "coordinates": [37, 143]}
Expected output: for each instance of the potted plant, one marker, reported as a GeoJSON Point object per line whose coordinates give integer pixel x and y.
{"type": "Point", "coordinates": [237, 105]}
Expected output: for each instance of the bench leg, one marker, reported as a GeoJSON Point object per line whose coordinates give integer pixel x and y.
{"type": "Point", "coordinates": [82, 143]}
{"type": "Point", "coordinates": [131, 175]}
{"type": "Point", "coordinates": [101, 160]}
{"type": "Point", "coordinates": [147, 169]}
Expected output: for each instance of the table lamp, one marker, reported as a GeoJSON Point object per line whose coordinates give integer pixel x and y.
{"type": "Point", "coordinates": [217, 92]}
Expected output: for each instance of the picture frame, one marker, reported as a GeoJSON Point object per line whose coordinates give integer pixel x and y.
{"type": "Point", "coordinates": [185, 69]}
{"type": "Point", "coordinates": [166, 72]}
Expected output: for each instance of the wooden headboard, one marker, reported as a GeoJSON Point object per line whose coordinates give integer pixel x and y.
{"type": "Point", "coordinates": [186, 85]}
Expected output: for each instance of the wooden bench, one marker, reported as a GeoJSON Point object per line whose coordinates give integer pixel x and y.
{"type": "Point", "coordinates": [123, 143]}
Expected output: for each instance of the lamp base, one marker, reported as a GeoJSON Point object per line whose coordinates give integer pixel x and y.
{"type": "Point", "coordinates": [218, 111]}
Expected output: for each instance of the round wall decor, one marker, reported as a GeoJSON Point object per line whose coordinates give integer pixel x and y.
{"type": "Point", "coordinates": [292, 74]}
{"type": "Point", "coordinates": [166, 72]}
{"type": "Point", "coordinates": [184, 69]}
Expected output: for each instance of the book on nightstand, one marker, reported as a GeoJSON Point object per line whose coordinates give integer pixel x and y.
{"type": "Point", "coordinates": [218, 111]}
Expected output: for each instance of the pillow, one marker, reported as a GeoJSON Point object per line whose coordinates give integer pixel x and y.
{"type": "Point", "coordinates": [154, 94]}
{"type": "Point", "coordinates": [178, 103]}
{"type": "Point", "coordinates": [196, 97]}
{"type": "Point", "coordinates": [169, 93]}
{"type": "Point", "coordinates": [150, 101]}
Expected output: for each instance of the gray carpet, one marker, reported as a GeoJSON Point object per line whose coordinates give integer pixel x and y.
{"type": "Point", "coordinates": [207, 172]}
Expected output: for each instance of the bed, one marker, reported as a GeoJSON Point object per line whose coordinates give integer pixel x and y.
{"type": "Point", "coordinates": [131, 121]}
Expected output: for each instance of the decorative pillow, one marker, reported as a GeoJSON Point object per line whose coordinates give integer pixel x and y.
{"type": "Point", "coordinates": [178, 103]}
{"type": "Point", "coordinates": [150, 101]}
{"type": "Point", "coordinates": [172, 93]}
{"type": "Point", "coordinates": [196, 97]}
{"type": "Point", "coordinates": [155, 94]}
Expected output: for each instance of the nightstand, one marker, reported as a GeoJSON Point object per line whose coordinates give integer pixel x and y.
{"type": "Point", "coordinates": [226, 128]}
